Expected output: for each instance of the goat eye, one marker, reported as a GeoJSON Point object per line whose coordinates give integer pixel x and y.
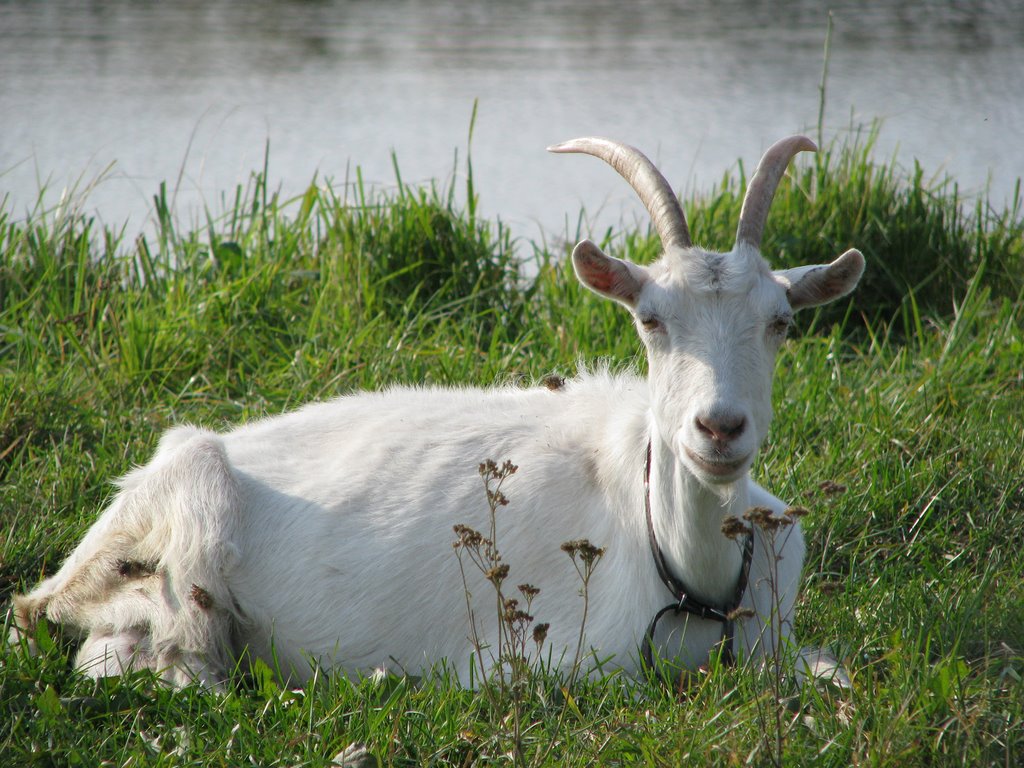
{"type": "Point", "coordinates": [779, 325]}
{"type": "Point", "coordinates": [650, 323]}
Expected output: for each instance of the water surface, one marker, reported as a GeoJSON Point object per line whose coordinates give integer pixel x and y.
{"type": "Point", "coordinates": [192, 92]}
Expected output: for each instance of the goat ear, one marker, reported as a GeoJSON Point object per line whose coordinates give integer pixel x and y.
{"type": "Point", "coordinates": [606, 275]}
{"type": "Point", "coordinates": [822, 283]}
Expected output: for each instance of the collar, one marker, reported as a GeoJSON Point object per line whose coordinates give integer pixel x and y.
{"type": "Point", "coordinates": [683, 601]}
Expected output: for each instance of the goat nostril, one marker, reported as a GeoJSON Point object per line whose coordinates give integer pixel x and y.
{"type": "Point", "coordinates": [723, 428]}
{"type": "Point", "coordinates": [736, 428]}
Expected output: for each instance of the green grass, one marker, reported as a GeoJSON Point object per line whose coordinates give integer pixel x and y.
{"type": "Point", "coordinates": [898, 423]}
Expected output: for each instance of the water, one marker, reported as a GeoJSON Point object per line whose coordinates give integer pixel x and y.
{"type": "Point", "coordinates": [129, 94]}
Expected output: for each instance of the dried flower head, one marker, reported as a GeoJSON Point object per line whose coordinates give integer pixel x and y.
{"type": "Point", "coordinates": [540, 633]}
{"type": "Point", "coordinates": [497, 574]}
{"type": "Point", "coordinates": [733, 528]}
{"type": "Point", "coordinates": [741, 613]}
{"type": "Point", "coordinates": [490, 470]}
{"type": "Point", "coordinates": [757, 515]}
{"type": "Point", "coordinates": [497, 498]}
{"type": "Point", "coordinates": [513, 614]}
{"type": "Point", "coordinates": [587, 552]}
{"type": "Point", "coordinates": [468, 537]}
{"type": "Point", "coordinates": [528, 591]}
{"type": "Point", "coordinates": [763, 518]}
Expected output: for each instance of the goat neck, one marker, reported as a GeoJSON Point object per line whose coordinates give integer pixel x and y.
{"type": "Point", "coordinates": [687, 515]}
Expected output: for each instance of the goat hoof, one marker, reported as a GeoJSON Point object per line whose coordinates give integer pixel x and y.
{"type": "Point", "coordinates": [355, 755]}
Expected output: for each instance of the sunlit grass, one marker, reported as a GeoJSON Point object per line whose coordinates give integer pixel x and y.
{"type": "Point", "coordinates": [898, 423]}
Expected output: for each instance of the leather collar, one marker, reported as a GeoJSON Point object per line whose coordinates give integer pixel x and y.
{"type": "Point", "coordinates": [683, 601]}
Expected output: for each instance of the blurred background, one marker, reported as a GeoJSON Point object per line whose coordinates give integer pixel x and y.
{"type": "Point", "coordinates": [124, 94]}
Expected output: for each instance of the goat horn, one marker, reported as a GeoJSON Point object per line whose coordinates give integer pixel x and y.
{"type": "Point", "coordinates": [653, 190]}
{"type": "Point", "coordinates": [762, 187]}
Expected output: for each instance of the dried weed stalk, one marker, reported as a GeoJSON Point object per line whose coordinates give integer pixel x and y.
{"type": "Point", "coordinates": [772, 532]}
{"type": "Point", "coordinates": [512, 676]}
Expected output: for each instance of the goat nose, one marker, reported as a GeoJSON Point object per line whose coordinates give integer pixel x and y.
{"type": "Point", "coordinates": [721, 427]}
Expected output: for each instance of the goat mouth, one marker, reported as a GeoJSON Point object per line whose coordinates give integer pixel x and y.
{"type": "Point", "coordinates": [718, 468]}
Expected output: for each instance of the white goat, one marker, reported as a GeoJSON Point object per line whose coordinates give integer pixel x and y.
{"type": "Point", "coordinates": [324, 536]}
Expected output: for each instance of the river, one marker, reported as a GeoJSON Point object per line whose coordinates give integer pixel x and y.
{"type": "Point", "coordinates": [115, 96]}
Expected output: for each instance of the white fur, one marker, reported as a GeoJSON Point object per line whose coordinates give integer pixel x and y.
{"type": "Point", "coordinates": [324, 535]}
